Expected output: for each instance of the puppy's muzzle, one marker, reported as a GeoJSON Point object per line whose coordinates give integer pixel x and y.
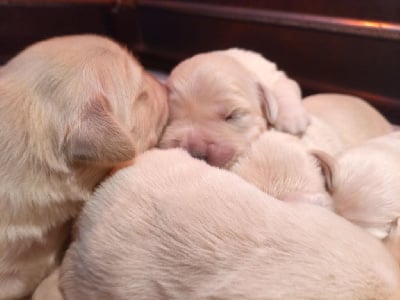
{"type": "Point", "coordinates": [207, 150]}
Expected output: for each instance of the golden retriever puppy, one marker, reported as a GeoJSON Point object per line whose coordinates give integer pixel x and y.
{"type": "Point", "coordinates": [173, 227]}
{"type": "Point", "coordinates": [221, 101]}
{"type": "Point", "coordinates": [70, 109]}
{"type": "Point", "coordinates": [364, 182]}
{"type": "Point", "coordinates": [280, 165]}
{"type": "Point", "coordinates": [352, 118]}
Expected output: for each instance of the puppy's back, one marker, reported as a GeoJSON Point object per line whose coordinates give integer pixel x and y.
{"type": "Point", "coordinates": [351, 117]}
{"type": "Point", "coordinates": [172, 227]}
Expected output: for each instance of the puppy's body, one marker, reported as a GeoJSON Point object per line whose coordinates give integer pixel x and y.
{"type": "Point", "coordinates": [186, 230]}
{"type": "Point", "coordinates": [67, 112]}
{"type": "Point", "coordinates": [221, 101]}
{"type": "Point", "coordinates": [352, 118]}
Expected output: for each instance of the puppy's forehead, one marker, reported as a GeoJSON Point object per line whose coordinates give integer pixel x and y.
{"type": "Point", "coordinates": [214, 79]}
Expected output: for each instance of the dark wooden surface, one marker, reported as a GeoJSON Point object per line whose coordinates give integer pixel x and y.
{"type": "Point", "coordinates": [321, 60]}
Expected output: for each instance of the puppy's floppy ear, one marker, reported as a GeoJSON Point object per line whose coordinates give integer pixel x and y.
{"type": "Point", "coordinates": [98, 137]}
{"type": "Point", "coordinates": [269, 104]}
{"type": "Point", "coordinates": [328, 166]}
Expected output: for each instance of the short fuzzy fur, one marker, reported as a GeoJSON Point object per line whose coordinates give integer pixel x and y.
{"type": "Point", "coordinates": [173, 227]}
{"type": "Point", "coordinates": [364, 184]}
{"type": "Point", "coordinates": [353, 119]}
{"type": "Point", "coordinates": [70, 109]}
{"type": "Point", "coordinates": [280, 165]}
{"type": "Point", "coordinates": [221, 101]}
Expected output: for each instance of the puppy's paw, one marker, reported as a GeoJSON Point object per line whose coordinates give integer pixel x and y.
{"type": "Point", "coordinates": [293, 120]}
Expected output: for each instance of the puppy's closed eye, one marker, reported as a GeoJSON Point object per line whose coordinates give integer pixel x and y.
{"type": "Point", "coordinates": [234, 115]}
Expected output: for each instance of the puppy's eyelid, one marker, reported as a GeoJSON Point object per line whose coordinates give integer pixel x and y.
{"type": "Point", "coordinates": [233, 115]}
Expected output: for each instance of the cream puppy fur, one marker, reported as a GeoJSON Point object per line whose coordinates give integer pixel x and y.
{"type": "Point", "coordinates": [173, 227]}
{"type": "Point", "coordinates": [221, 101]}
{"type": "Point", "coordinates": [70, 109]}
{"type": "Point", "coordinates": [280, 165]}
{"type": "Point", "coordinates": [364, 182]}
{"type": "Point", "coordinates": [352, 118]}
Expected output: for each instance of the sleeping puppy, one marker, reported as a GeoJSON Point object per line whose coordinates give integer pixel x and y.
{"type": "Point", "coordinates": [364, 184]}
{"type": "Point", "coordinates": [280, 165]}
{"type": "Point", "coordinates": [221, 101]}
{"type": "Point", "coordinates": [71, 108]}
{"type": "Point", "coordinates": [187, 230]}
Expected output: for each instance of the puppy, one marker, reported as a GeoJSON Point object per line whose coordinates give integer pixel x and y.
{"type": "Point", "coordinates": [71, 108]}
{"type": "Point", "coordinates": [280, 165]}
{"type": "Point", "coordinates": [173, 227]}
{"type": "Point", "coordinates": [364, 184]}
{"type": "Point", "coordinates": [221, 101]}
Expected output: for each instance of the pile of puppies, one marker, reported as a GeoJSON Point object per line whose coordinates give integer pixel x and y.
{"type": "Point", "coordinates": [272, 196]}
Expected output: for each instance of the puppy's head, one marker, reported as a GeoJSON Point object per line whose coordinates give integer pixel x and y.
{"type": "Point", "coordinates": [217, 108]}
{"type": "Point", "coordinates": [111, 130]}
{"type": "Point", "coordinates": [94, 101]}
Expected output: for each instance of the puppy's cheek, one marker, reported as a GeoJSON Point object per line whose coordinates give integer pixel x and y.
{"type": "Point", "coordinates": [221, 156]}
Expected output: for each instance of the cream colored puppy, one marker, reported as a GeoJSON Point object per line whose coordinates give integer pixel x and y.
{"type": "Point", "coordinates": [221, 101]}
{"type": "Point", "coordinates": [365, 185]}
{"type": "Point", "coordinates": [70, 109]}
{"type": "Point", "coordinates": [280, 165]}
{"type": "Point", "coordinates": [173, 227]}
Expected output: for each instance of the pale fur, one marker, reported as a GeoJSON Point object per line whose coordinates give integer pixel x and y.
{"type": "Point", "coordinates": [71, 108]}
{"type": "Point", "coordinates": [281, 166]}
{"type": "Point", "coordinates": [366, 184]}
{"type": "Point", "coordinates": [173, 227]}
{"type": "Point", "coordinates": [352, 118]}
{"type": "Point", "coordinates": [221, 101]}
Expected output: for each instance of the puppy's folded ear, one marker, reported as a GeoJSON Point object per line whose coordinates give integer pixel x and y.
{"type": "Point", "coordinates": [269, 104]}
{"type": "Point", "coordinates": [98, 137]}
{"type": "Point", "coordinates": [328, 168]}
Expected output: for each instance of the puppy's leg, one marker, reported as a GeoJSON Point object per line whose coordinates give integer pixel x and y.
{"type": "Point", "coordinates": [48, 289]}
{"type": "Point", "coordinates": [293, 117]}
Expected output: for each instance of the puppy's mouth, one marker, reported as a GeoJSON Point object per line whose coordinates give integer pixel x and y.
{"type": "Point", "coordinates": [217, 156]}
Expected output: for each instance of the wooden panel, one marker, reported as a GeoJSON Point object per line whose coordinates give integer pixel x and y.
{"type": "Point", "coordinates": [22, 25]}
{"type": "Point", "coordinates": [57, 2]}
{"type": "Point", "coordinates": [384, 10]}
